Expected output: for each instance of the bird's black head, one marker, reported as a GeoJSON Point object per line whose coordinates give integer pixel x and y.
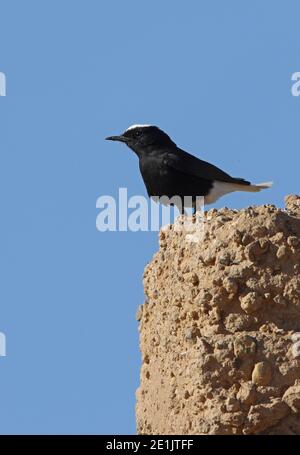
{"type": "Point", "coordinates": [143, 138]}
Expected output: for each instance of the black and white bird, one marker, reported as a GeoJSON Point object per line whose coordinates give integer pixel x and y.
{"type": "Point", "coordinates": [169, 171]}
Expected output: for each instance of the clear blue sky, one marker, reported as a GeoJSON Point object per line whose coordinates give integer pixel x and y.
{"type": "Point", "coordinates": [216, 75]}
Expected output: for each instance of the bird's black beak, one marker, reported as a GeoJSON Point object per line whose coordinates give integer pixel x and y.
{"type": "Point", "coordinates": [116, 138]}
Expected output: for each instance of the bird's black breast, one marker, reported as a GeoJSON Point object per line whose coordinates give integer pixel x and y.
{"type": "Point", "coordinates": [162, 180]}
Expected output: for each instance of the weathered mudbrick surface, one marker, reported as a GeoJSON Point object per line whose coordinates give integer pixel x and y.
{"type": "Point", "coordinates": [220, 329]}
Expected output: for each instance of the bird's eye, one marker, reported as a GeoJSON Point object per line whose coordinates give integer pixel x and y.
{"type": "Point", "coordinates": [137, 133]}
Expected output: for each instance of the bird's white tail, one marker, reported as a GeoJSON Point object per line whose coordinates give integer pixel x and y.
{"type": "Point", "coordinates": [221, 188]}
{"type": "Point", "coordinates": [255, 187]}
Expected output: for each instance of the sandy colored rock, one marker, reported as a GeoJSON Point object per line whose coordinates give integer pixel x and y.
{"type": "Point", "coordinates": [295, 337]}
{"type": "Point", "coordinates": [219, 330]}
{"type": "Point", "coordinates": [262, 373]}
{"type": "Point", "coordinates": [296, 350]}
{"type": "Point", "coordinates": [292, 396]}
{"type": "Point", "coordinates": [247, 393]}
{"type": "Point", "coordinates": [251, 302]}
{"type": "Point", "coordinates": [292, 204]}
{"type": "Point", "coordinates": [264, 416]}
{"type": "Point", "coordinates": [244, 346]}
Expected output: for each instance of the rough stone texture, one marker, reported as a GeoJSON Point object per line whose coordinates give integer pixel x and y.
{"type": "Point", "coordinates": [219, 331]}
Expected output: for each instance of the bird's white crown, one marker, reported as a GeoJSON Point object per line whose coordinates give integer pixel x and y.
{"type": "Point", "coordinates": [132, 127]}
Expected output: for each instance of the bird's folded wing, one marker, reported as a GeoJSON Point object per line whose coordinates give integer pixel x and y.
{"type": "Point", "coordinates": [189, 164]}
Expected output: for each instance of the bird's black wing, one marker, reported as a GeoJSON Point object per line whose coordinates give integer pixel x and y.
{"type": "Point", "coordinates": [189, 164]}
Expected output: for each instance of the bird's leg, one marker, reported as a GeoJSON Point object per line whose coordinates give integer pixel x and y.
{"type": "Point", "coordinates": [194, 206]}
{"type": "Point", "coordinates": [198, 205]}
{"type": "Point", "coordinates": [181, 209]}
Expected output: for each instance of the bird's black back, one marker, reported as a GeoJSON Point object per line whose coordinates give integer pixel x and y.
{"type": "Point", "coordinates": [171, 171]}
